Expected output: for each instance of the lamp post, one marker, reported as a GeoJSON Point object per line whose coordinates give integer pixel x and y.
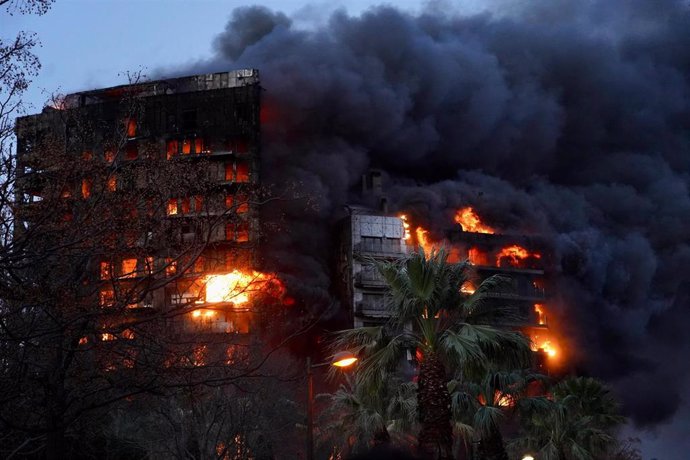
{"type": "Point", "coordinates": [340, 359]}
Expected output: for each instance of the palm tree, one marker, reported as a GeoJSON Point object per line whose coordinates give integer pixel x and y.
{"type": "Point", "coordinates": [577, 422]}
{"type": "Point", "coordinates": [447, 329]}
{"type": "Point", "coordinates": [480, 408]}
{"type": "Point", "coordinates": [368, 417]}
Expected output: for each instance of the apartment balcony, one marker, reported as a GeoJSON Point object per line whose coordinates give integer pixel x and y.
{"type": "Point", "coordinates": [370, 278]}
{"type": "Point", "coordinates": [528, 294]}
{"type": "Point", "coordinates": [374, 309]}
{"type": "Point", "coordinates": [386, 252]}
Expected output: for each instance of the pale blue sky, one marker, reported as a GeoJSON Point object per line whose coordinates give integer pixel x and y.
{"type": "Point", "coordinates": [87, 43]}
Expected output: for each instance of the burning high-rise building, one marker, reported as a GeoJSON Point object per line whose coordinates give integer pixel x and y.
{"type": "Point", "coordinates": [155, 183]}
{"type": "Point", "coordinates": [368, 236]}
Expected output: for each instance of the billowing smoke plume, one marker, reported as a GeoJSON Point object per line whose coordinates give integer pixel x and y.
{"type": "Point", "coordinates": [565, 118]}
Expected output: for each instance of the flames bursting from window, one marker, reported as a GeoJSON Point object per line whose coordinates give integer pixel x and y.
{"type": "Point", "coordinates": [238, 287]}
{"type": "Point", "coordinates": [543, 341]}
{"type": "Point", "coordinates": [470, 222]}
{"type": "Point", "coordinates": [515, 256]}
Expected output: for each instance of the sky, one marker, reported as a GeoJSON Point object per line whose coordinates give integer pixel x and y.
{"type": "Point", "coordinates": [93, 43]}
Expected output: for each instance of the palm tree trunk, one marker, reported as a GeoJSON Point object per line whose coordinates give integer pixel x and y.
{"type": "Point", "coordinates": [433, 403]}
{"type": "Point", "coordinates": [491, 447]}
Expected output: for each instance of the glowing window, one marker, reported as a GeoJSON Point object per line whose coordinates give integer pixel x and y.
{"type": "Point", "coordinates": [105, 270]}
{"type": "Point", "coordinates": [198, 145]}
{"type": "Point", "coordinates": [184, 206]}
{"type": "Point", "coordinates": [87, 155]}
{"type": "Point", "coordinates": [106, 297]}
{"type": "Point", "coordinates": [171, 148]}
{"type": "Point", "coordinates": [198, 203]}
{"type": "Point", "coordinates": [186, 146]}
{"type": "Point", "coordinates": [109, 156]}
{"type": "Point", "coordinates": [229, 171]}
{"type": "Point", "coordinates": [86, 185]}
{"type": "Point", "coordinates": [131, 127]}
{"type": "Point", "coordinates": [242, 172]}
{"type": "Point", "coordinates": [129, 268]}
{"type": "Point", "coordinates": [242, 204]}
{"type": "Point", "coordinates": [111, 184]}
{"type": "Point", "coordinates": [243, 232]}
{"type": "Point", "coordinates": [172, 206]}
{"type": "Point", "coordinates": [229, 200]}
{"type": "Point", "coordinates": [170, 267]}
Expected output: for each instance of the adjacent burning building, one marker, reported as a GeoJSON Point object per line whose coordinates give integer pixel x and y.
{"type": "Point", "coordinates": [156, 186]}
{"type": "Point", "coordinates": [367, 236]}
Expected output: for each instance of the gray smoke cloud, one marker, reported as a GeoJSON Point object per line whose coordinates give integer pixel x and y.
{"type": "Point", "coordinates": [565, 118]}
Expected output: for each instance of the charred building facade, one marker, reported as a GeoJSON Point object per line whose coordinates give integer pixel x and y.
{"type": "Point", "coordinates": [155, 184]}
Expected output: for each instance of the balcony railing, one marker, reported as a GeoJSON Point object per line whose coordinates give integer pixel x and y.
{"type": "Point", "coordinates": [370, 278]}
{"type": "Point", "coordinates": [383, 251]}
{"type": "Point", "coordinates": [371, 308]}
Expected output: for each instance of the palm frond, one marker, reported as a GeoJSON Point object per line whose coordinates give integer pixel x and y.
{"type": "Point", "coordinates": [502, 349]}
{"type": "Point", "coordinates": [481, 308]}
{"type": "Point", "coordinates": [487, 419]}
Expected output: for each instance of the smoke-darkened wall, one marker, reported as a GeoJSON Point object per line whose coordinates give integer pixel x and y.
{"type": "Point", "coordinates": [565, 118]}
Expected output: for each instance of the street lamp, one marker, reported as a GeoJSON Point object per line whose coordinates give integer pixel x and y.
{"type": "Point", "coordinates": [527, 457]}
{"type": "Point", "coordinates": [341, 359]}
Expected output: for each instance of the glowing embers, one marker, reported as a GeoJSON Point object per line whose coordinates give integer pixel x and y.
{"type": "Point", "coordinates": [470, 222]}
{"type": "Point", "coordinates": [515, 256]}
{"type": "Point", "coordinates": [238, 287]}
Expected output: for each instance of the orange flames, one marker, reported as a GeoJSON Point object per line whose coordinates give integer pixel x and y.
{"type": "Point", "coordinates": [470, 222]}
{"type": "Point", "coordinates": [477, 257]}
{"type": "Point", "coordinates": [543, 340]}
{"type": "Point", "coordinates": [514, 256]}
{"type": "Point", "coordinates": [468, 287]}
{"type": "Point", "coordinates": [541, 314]}
{"type": "Point", "coordinates": [421, 235]}
{"type": "Point", "coordinates": [238, 287]}
{"type": "Point", "coordinates": [423, 240]}
{"type": "Point", "coordinates": [406, 227]}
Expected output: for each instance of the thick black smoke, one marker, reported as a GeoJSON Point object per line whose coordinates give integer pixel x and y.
{"type": "Point", "coordinates": [565, 118]}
